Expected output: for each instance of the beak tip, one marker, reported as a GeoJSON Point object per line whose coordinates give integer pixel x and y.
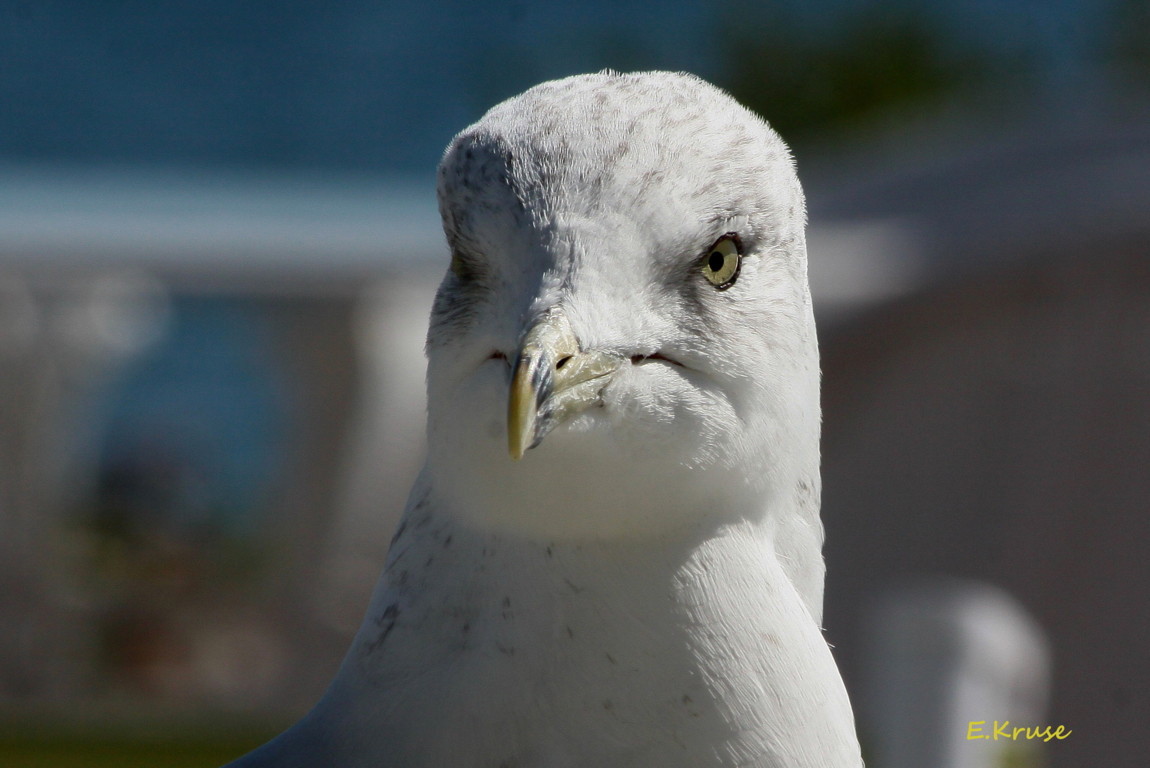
{"type": "Point", "coordinates": [521, 408]}
{"type": "Point", "coordinates": [518, 437]}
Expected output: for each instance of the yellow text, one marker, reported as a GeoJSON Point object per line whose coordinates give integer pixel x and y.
{"type": "Point", "coordinates": [976, 729]}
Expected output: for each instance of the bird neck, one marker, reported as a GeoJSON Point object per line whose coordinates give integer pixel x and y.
{"type": "Point", "coordinates": [698, 634]}
{"type": "Point", "coordinates": [692, 636]}
{"type": "Point", "coordinates": [519, 595]}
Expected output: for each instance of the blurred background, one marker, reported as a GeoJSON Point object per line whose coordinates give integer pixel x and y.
{"type": "Point", "coordinates": [218, 246]}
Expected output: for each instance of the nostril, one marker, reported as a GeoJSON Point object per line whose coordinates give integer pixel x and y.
{"type": "Point", "coordinates": [562, 362]}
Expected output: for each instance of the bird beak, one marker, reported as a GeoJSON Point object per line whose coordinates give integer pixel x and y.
{"type": "Point", "coordinates": [552, 381]}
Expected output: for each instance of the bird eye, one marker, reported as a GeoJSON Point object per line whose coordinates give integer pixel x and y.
{"type": "Point", "coordinates": [722, 261]}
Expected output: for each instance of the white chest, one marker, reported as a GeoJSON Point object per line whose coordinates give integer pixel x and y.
{"type": "Point", "coordinates": [498, 654]}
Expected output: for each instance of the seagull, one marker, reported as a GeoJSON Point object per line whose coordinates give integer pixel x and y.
{"type": "Point", "coordinates": [612, 555]}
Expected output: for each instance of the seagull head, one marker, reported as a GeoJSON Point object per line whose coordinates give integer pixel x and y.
{"type": "Point", "coordinates": [623, 342]}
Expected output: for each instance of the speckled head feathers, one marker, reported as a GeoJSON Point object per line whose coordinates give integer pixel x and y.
{"type": "Point", "coordinates": [598, 142]}
{"type": "Point", "coordinates": [602, 196]}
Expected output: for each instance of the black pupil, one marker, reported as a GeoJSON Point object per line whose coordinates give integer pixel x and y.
{"type": "Point", "coordinates": [715, 263]}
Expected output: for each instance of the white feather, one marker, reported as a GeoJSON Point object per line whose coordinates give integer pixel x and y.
{"type": "Point", "coordinates": [645, 587]}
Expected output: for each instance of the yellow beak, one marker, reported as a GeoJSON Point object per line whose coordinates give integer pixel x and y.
{"type": "Point", "coordinates": [552, 381]}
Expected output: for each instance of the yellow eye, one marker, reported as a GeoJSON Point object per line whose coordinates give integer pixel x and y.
{"type": "Point", "coordinates": [722, 261]}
